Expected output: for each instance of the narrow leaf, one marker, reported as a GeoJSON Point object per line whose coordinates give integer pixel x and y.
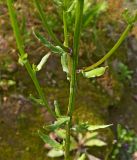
{"type": "Point", "coordinates": [57, 124]}
{"type": "Point", "coordinates": [57, 109]}
{"type": "Point", "coordinates": [50, 141]}
{"type": "Point", "coordinates": [95, 72]}
{"type": "Point", "coordinates": [72, 6]}
{"type": "Point", "coordinates": [37, 100]}
{"type": "Point", "coordinates": [61, 133]}
{"type": "Point", "coordinates": [95, 142]}
{"type": "Point", "coordinates": [55, 153]}
{"type": "Point", "coordinates": [82, 157]}
{"type": "Point", "coordinates": [43, 61]}
{"type": "Point", "coordinates": [93, 12]}
{"type": "Point", "coordinates": [95, 127]}
{"type": "Point", "coordinates": [54, 49]}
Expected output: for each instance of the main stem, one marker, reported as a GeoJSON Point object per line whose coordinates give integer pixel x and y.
{"type": "Point", "coordinates": [20, 46]}
{"type": "Point", "coordinates": [76, 40]}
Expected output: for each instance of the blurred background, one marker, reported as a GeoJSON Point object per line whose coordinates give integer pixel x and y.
{"type": "Point", "coordinates": [110, 99]}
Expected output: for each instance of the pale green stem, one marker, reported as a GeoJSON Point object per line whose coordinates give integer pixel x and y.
{"type": "Point", "coordinates": [78, 24]}
{"type": "Point", "coordinates": [121, 39]}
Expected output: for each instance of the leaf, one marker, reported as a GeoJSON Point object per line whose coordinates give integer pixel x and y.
{"type": "Point", "coordinates": [95, 142]}
{"type": "Point", "coordinates": [90, 135]}
{"type": "Point", "coordinates": [55, 153]}
{"type": "Point", "coordinates": [43, 61]}
{"type": "Point", "coordinates": [37, 100]}
{"type": "Point", "coordinates": [81, 127]}
{"type": "Point", "coordinates": [57, 109]}
{"type": "Point", "coordinates": [64, 62]}
{"type": "Point", "coordinates": [61, 133]}
{"type": "Point", "coordinates": [95, 72]}
{"type": "Point", "coordinates": [82, 157]}
{"type": "Point", "coordinates": [72, 6]}
{"type": "Point", "coordinates": [50, 141]}
{"type": "Point", "coordinates": [57, 124]}
{"type": "Point", "coordinates": [58, 3]}
{"type": "Point", "coordinates": [91, 157]}
{"type": "Point", "coordinates": [92, 12]}
{"type": "Point", "coordinates": [23, 59]}
{"type": "Point", "coordinates": [130, 18]}
{"type": "Point", "coordinates": [54, 49]}
{"type": "Point", "coordinates": [95, 127]}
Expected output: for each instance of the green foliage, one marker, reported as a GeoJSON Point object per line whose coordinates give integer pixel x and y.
{"type": "Point", "coordinates": [55, 153]}
{"type": "Point", "coordinates": [80, 137]}
{"type": "Point", "coordinates": [36, 100]}
{"type": "Point", "coordinates": [23, 59]}
{"type": "Point", "coordinates": [84, 127]}
{"type": "Point", "coordinates": [92, 12]}
{"type": "Point", "coordinates": [58, 124]}
{"type": "Point", "coordinates": [124, 74]}
{"type": "Point", "coordinates": [50, 141]}
{"type": "Point", "coordinates": [129, 17]}
{"type": "Point", "coordinates": [125, 145]}
{"type": "Point", "coordinates": [57, 109]}
{"type": "Point", "coordinates": [82, 157]}
{"type": "Point", "coordinates": [55, 49]}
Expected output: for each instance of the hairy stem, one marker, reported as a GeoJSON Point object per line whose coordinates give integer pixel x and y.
{"type": "Point", "coordinates": [20, 46]}
{"type": "Point", "coordinates": [121, 39]}
{"type": "Point", "coordinates": [78, 23]}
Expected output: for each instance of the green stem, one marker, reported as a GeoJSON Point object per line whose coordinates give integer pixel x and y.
{"type": "Point", "coordinates": [66, 36]}
{"type": "Point", "coordinates": [78, 24]}
{"type": "Point", "coordinates": [20, 46]}
{"type": "Point", "coordinates": [121, 39]}
{"type": "Point", "coordinates": [65, 24]}
{"type": "Point", "coordinates": [45, 24]}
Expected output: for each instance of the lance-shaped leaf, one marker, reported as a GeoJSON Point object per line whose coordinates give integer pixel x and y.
{"type": "Point", "coordinates": [82, 157]}
{"type": "Point", "coordinates": [57, 109]}
{"type": "Point", "coordinates": [96, 127]}
{"type": "Point", "coordinates": [95, 142]}
{"type": "Point", "coordinates": [54, 144]}
{"type": "Point", "coordinates": [43, 61]}
{"type": "Point", "coordinates": [55, 153]}
{"type": "Point", "coordinates": [92, 12]}
{"type": "Point", "coordinates": [81, 127]}
{"type": "Point", "coordinates": [37, 100]}
{"type": "Point", "coordinates": [58, 3]}
{"type": "Point", "coordinates": [95, 72]}
{"type": "Point", "coordinates": [72, 6]}
{"type": "Point", "coordinates": [57, 124]}
{"type": "Point", "coordinates": [55, 49]}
